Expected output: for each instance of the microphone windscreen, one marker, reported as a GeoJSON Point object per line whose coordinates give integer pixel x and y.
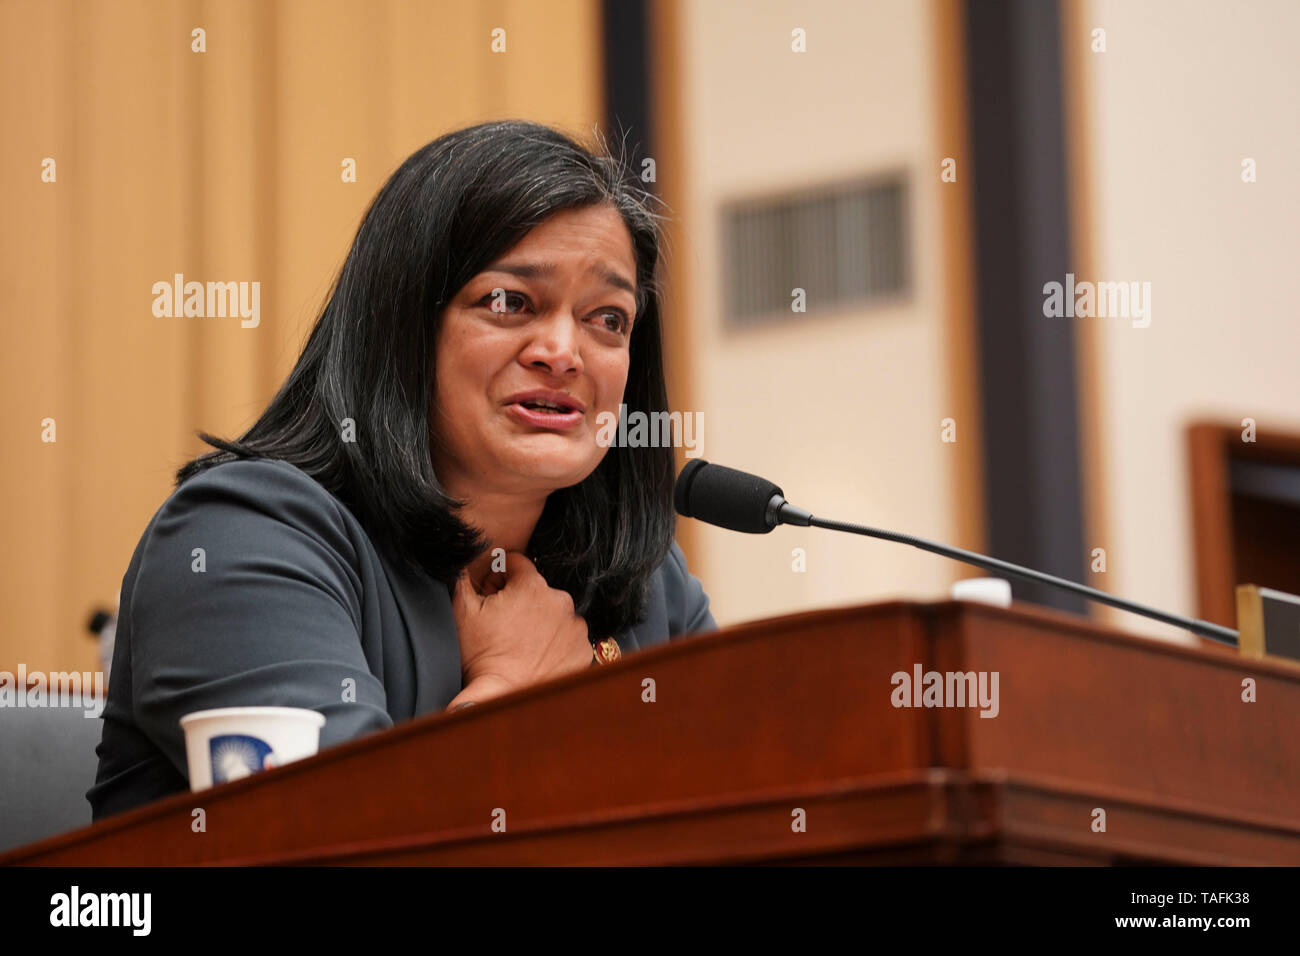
{"type": "Point", "coordinates": [725, 497]}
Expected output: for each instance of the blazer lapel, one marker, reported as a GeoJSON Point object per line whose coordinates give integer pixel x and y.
{"type": "Point", "coordinates": [425, 606]}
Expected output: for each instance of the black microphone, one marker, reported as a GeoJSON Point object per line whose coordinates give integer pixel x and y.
{"type": "Point", "coordinates": [739, 501]}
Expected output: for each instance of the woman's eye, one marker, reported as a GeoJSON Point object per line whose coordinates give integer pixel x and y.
{"type": "Point", "coordinates": [614, 320]}
{"type": "Point", "coordinates": [499, 300]}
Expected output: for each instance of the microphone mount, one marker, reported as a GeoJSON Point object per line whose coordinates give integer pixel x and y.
{"type": "Point", "coordinates": [744, 486]}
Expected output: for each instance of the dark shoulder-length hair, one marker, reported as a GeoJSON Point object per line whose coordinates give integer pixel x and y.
{"type": "Point", "coordinates": [450, 210]}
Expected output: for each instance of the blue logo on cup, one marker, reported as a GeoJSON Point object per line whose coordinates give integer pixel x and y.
{"type": "Point", "coordinates": [238, 755]}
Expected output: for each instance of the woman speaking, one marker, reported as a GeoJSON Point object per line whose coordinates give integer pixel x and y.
{"type": "Point", "coordinates": [424, 516]}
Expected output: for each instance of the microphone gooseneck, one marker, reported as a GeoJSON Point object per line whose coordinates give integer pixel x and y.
{"type": "Point", "coordinates": [739, 501]}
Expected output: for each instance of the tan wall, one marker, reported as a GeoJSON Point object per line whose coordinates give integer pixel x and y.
{"type": "Point", "coordinates": [1184, 92]}
{"type": "Point", "coordinates": [223, 166]}
{"type": "Point", "coordinates": [843, 411]}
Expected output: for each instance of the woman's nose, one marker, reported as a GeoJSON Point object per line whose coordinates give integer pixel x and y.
{"type": "Point", "coordinates": [555, 343]}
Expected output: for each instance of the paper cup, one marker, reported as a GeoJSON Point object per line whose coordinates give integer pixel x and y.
{"type": "Point", "coordinates": [234, 742]}
{"type": "Point", "coordinates": [993, 591]}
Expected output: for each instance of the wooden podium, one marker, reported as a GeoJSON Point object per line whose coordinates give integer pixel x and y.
{"type": "Point", "coordinates": [753, 724]}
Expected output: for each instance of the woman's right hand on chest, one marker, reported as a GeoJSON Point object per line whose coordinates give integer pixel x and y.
{"type": "Point", "coordinates": [515, 630]}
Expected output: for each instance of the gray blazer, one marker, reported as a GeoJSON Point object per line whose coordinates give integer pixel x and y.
{"type": "Point", "coordinates": [292, 598]}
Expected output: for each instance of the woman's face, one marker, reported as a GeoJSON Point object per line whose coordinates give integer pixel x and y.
{"type": "Point", "coordinates": [554, 314]}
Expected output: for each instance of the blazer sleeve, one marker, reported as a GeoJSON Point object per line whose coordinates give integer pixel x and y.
{"type": "Point", "coordinates": [247, 594]}
{"type": "Point", "coordinates": [688, 605]}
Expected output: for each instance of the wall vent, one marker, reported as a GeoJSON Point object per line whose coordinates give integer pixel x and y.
{"type": "Point", "coordinates": [845, 245]}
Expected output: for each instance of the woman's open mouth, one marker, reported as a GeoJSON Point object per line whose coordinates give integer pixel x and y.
{"type": "Point", "coordinates": [542, 414]}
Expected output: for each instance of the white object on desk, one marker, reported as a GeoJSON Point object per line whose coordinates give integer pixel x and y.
{"type": "Point", "coordinates": [993, 591]}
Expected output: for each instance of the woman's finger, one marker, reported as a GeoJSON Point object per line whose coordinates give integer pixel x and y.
{"type": "Point", "coordinates": [465, 594]}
